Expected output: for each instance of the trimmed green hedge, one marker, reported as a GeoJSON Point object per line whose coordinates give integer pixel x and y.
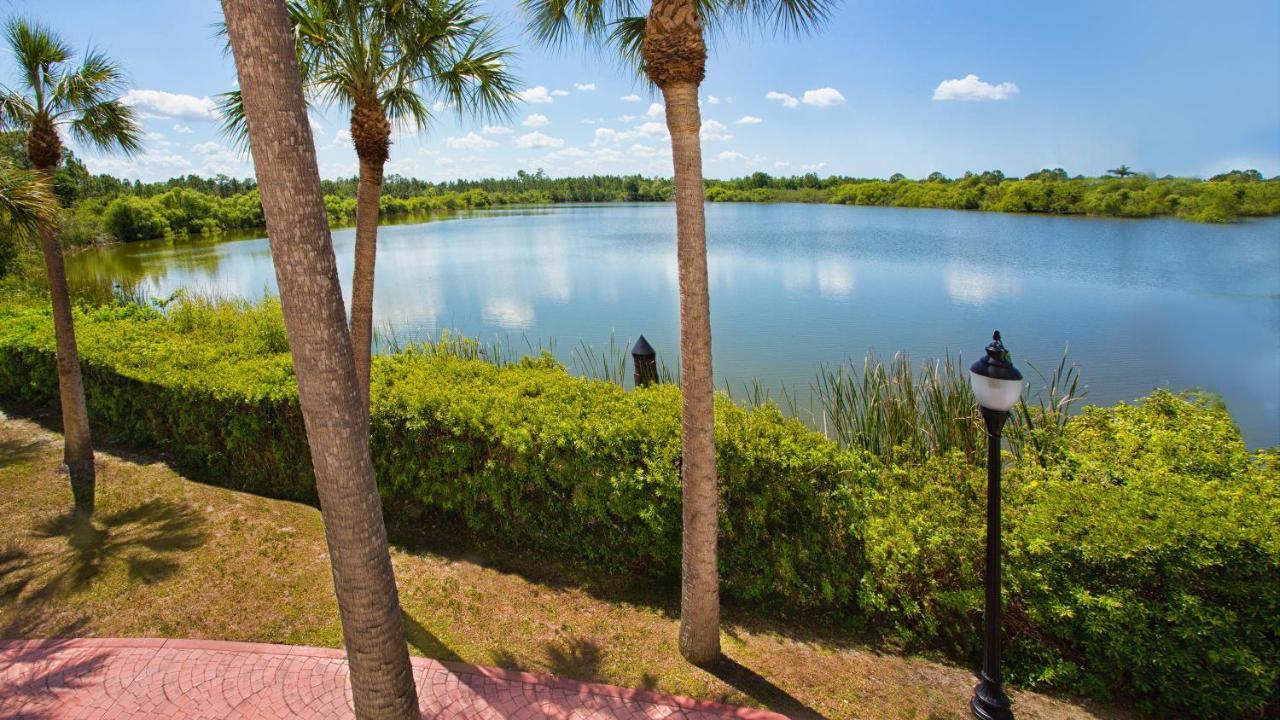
{"type": "Point", "coordinates": [1145, 564]}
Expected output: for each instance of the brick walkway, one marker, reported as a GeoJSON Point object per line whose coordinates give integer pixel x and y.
{"type": "Point", "coordinates": [101, 679]}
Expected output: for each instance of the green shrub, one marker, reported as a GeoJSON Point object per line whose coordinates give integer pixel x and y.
{"type": "Point", "coordinates": [131, 218]}
{"type": "Point", "coordinates": [1145, 564]}
{"type": "Point", "coordinates": [1142, 559]}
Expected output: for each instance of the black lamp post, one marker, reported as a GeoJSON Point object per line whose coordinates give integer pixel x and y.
{"type": "Point", "coordinates": [997, 384]}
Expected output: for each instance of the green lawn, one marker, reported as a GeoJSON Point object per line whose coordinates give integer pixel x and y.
{"type": "Point", "coordinates": [165, 556]}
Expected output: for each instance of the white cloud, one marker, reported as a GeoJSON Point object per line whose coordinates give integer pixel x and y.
{"type": "Point", "coordinates": [972, 88]}
{"type": "Point", "coordinates": [812, 167]}
{"type": "Point", "coordinates": [656, 110]}
{"type": "Point", "coordinates": [496, 130]}
{"type": "Point", "coordinates": [748, 120]}
{"type": "Point", "coordinates": [217, 158]}
{"type": "Point", "coordinates": [151, 166]}
{"type": "Point", "coordinates": [630, 98]}
{"type": "Point", "coordinates": [713, 131]}
{"type": "Point", "coordinates": [182, 129]}
{"type": "Point", "coordinates": [535, 95]}
{"type": "Point", "coordinates": [342, 137]}
{"type": "Point", "coordinates": [584, 87]}
{"type": "Point", "coordinates": [642, 151]}
{"type": "Point", "coordinates": [823, 97]}
{"type": "Point", "coordinates": [535, 120]}
{"type": "Point", "coordinates": [730, 155]}
{"type": "Point", "coordinates": [713, 100]}
{"type": "Point", "coordinates": [559, 93]}
{"type": "Point", "coordinates": [786, 100]}
{"type": "Point", "coordinates": [158, 103]}
{"type": "Point", "coordinates": [441, 105]}
{"type": "Point", "coordinates": [651, 129]}
{"type": "Point", "coordinates": [643, 130]}
{"type": "Point", "coordinates": [569, 152]}
{"type": "Point", "coordinates": [782, 164]}
{"type": "Point", "coordinates": [536, 139]}
{"type": "Point", "coordinates": [470, 141]}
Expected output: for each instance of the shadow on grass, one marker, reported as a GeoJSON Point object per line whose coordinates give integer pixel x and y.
{"type": "Point", "coordinates": [13, 452]}
{"type": "Point", "coordinates": [758, 688]}
{"type": "Point", "coordinates": [426, 642]}
{"type": "Point", "coordinates": [146, 538]}
{"type": "Point", "coordinates": [577, 658]}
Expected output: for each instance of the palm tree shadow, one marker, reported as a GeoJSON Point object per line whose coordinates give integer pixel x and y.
{"type": "Point", "coordinates": [426, 642]}
{"type": "Point", "coordinates": [16, 451]}
{"type": "Point", "coordinates": [36, 694]}
{"type": "Point", "coordinates": [147, 538]}
{"type": "Point", "coordinates": [755, 686]}
{"type": "Point", "coordinates": [578, 658]}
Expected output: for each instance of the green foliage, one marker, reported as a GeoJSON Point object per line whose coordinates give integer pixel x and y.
{"type": "Point", "coordinates": [198, 206]}
{"type": "Point", "coordinates": [1142, 554]}
{"type": "Point", "coordinates": [130, 218]}
{"type": "Point", "coordinates": [1143, 564]}
{"type": "Point", "coordinates": [1052, 192]}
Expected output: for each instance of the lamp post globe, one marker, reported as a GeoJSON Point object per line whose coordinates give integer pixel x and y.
{"type": "Point", "coordinates": [997, 386]}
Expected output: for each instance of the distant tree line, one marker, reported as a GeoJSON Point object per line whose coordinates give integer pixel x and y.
{"type": "Point", "coordinates": [1223, 198]}
{"type": "Point", "coordinates": [103, 208]}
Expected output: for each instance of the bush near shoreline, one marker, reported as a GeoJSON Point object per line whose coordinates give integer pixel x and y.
{"type": "Point", "coordinates": [1142, 558]}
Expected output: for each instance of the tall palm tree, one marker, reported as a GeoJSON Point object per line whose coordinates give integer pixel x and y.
{"type": "Point", "coordinates": [667, 46]}
{"type": "Point", "coordinates": [386, 61]}
{"type": "Point", "coordinates": [315, 319]}
{"type": "Point", "coordinates": [1123, 171]}
{"type": "Point", "coordinates": [54, 95]}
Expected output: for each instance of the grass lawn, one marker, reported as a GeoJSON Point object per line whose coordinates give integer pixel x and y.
{"type": "Point", "coordinates": [166, 556]}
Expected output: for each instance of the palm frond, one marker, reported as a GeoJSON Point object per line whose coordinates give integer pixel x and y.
{"type": "Point", "coordinates": [97, 80]}
{"type": "Point", "coordinates": [788, 17]}
{"type": "Point", "coordinates": [232, 123]}
{"type": "Point", "coordinates": [36, 49]}
{"type": "Point", "coordinates": [108, 126]}
{"type": "Point", "coordinates": [16, 112]}
{"type": "Point", "coordinates": [26, 200]}
{"type": "Point", "coordinates": [627, 37]}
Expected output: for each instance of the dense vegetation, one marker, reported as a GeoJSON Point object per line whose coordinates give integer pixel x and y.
{"type": "Point", "coordinates": [102, 208]}
{"type": "Point", "coordinates": [1142, 552]}
{"type": "Point", "coordinates": [1223, 198]}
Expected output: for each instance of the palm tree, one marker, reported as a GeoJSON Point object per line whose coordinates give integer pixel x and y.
{"type": "Point", "coordinates": [54, 95]}
{"type": "Point", "coordinates": [1121, 172]}
{"type": "Point", "coordinates": [315, 319]}
{"type": "Point", "coordinates": [667, 46]}
{"type": "Point", "coordinates": [385, 61]}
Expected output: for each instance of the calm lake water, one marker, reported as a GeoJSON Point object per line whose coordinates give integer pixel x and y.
{"type": "Point", "coordinates": [1140, 303]}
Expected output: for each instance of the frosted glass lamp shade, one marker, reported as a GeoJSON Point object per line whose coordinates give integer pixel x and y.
{"type": "Point", "coordinates": [995, 394]}
{"type": "Point", "coordinates": [997, 384]}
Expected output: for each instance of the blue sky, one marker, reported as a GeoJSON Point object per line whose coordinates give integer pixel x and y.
{"type": "Point", "coordinates": [1184, 88]}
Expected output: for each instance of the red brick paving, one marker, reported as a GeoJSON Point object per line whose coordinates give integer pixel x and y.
{"type": "Point", "coordinates": [107, 679]}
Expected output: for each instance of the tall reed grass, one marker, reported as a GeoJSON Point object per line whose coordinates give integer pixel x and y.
{"type": "Point", "coordinates": [900, 413]}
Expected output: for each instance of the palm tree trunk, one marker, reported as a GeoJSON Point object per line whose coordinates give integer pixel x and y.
{"type": "Point", "coordinates": [77, 444]}
{"type": "Point", "coordinates": [310, 294]}
{"type": "Point", "coordinates": [368, 194]}
{"type": "Point", "coordinates": [700, 590]}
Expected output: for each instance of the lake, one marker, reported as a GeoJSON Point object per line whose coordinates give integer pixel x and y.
{"type": "Point", "coordinates": [1140, 303]}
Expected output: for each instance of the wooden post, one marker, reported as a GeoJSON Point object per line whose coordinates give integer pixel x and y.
{"type": "Point", "coordinates": [646, 363]}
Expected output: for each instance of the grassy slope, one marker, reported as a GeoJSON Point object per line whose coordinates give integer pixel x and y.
{"type": "Point", "coordinates": [169, 557]}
